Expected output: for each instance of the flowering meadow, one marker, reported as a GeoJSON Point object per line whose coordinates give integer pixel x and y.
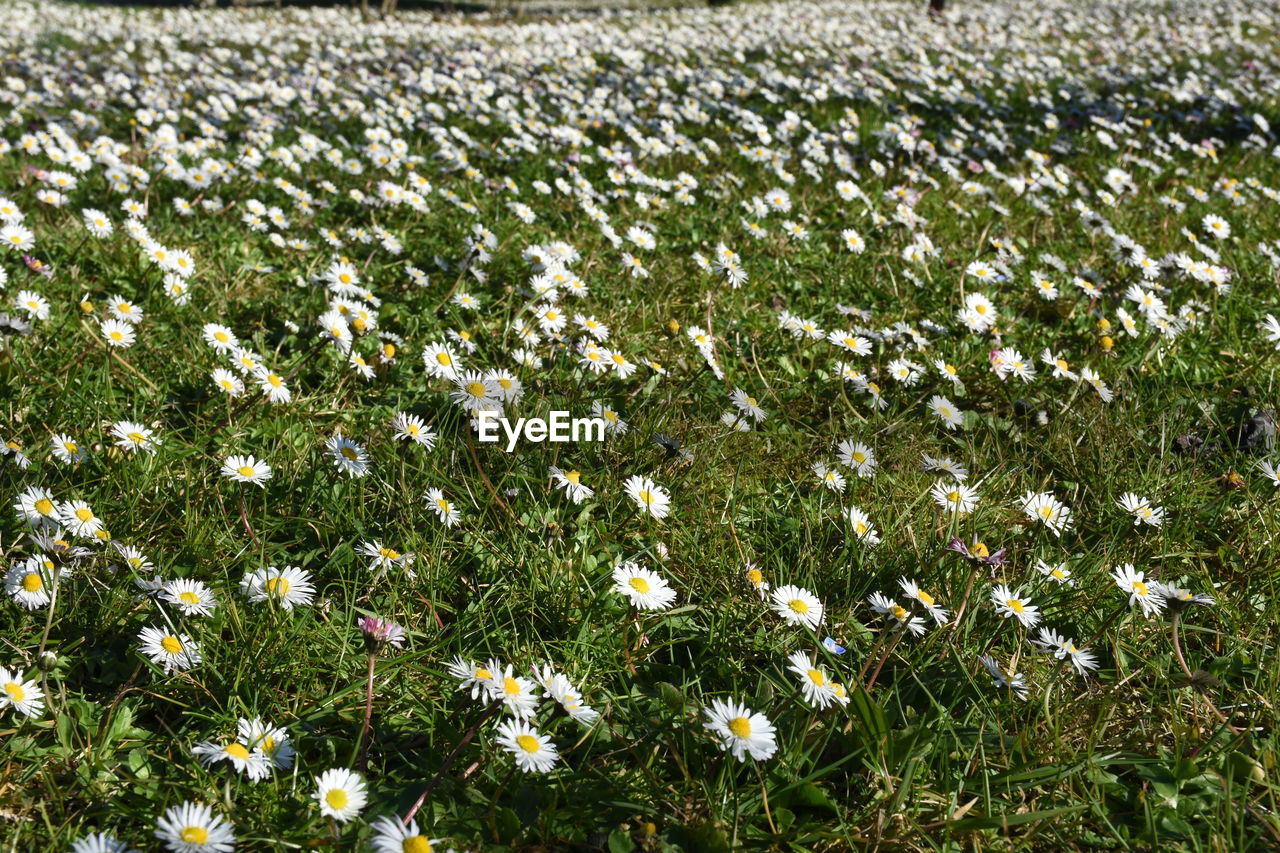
{"type": "Point", "coordinates": [936, 364]}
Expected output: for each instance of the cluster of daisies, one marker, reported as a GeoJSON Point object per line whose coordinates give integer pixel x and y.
{"type": "Point", "coordinates": [482, 232]}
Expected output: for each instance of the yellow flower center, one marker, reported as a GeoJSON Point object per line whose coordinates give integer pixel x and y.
{"type": "Point", "coordinates": [755, 576]}
{"type": "Point", "coordinates": [510, 686]}
{"type": "Point", "coordinates": [32, 582]}
{"type": "Point", "coordinates": [817, 677]}
{"type": "Point", "coordinates": [640, 585]}
{"type": "Point", "coordinates": [980, 550]}
{"type": "Point", "coordinates": [859, 457]}
{"type": "Point", "coordinates": [444, 506]}
{"type": "Point", "coordinates": [44, 506]}
{"type": "Point", "coordinates": [798, 605]}
{"type": "Point", "coordinates": [350, 453]}
{"type": "Point", "coordinates": [188, 597]}
{"type": "Point", "coordinates": [336, 798]}
{"type": "Point", "coordinates": [237, 750]}
{"type": "Point", "coordinates": [172, 645]}
{"type": "Point", "coordinates": [925, 598]}
{"type": "Point", "coordinates": [484, 674]}
{"type": "Point", "coordinates": [278, 586]}
{"type": "Point", "coordinates": [15, 692]}
{"type": "Point", "coordinates": [528, 743]}
{"type": "Point", "coordinates": [1139, 587]}
{"type": "Point", "coordinates": [84, 514]}
{"type": "Point", "coordinates": [194, 835]}
{"type": "Point", "coordinates": [740, 726]}
{"type": "Point", "coordinates": [953, 496]}
{"type": "Point", "coordinates": [1015, 605]}
{"type": "Point", "coordinates": [476, 389]}
{"type": "Point", "coordinates": [246, 471]}
{"type": "Point", "coordinates": [444, 358]}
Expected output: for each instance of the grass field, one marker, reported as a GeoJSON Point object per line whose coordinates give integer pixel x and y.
{"type": "Point", "coordinates": [937, 363]}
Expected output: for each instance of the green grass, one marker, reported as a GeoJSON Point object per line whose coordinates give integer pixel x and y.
{"type": "Point", "coordinates": [927, 754]}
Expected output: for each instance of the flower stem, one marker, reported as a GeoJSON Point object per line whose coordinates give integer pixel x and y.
{"type": "Point", "coordinates": [448, 762]}
{"type": "Point", "coordinates": [363, 760]}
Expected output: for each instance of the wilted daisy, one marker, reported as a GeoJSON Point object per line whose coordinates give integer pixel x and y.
{"type": "Point", "coordinates": [739, 731]}
{"type": "Point", "coordinates": [1141, 510]}
{"type": "Point", "coordinates": [192, 828]}
{"type": "Point", "coordinates": [170, 649]}
{"type": "Point", "coordinates": [246, 469]}
{"type": "Point", "coordinates": [533, 752]}
{"type": "Point", "coordinates": [645, 589]}
{"type": "Point", "coordinates": [24, 697]}
{"type": "Point", "coordinates": [755, 577]}
{"type": "Point", "coordinates": [797, 606]}
{"type": "Point", "coordinates": [648, 495]}
{"type": "Point", "coordinates": [1005, 679]}
{"type": "Point", "coordinates": [340, 793]}
{"type": "Point", "coordinates": [286, 587]}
